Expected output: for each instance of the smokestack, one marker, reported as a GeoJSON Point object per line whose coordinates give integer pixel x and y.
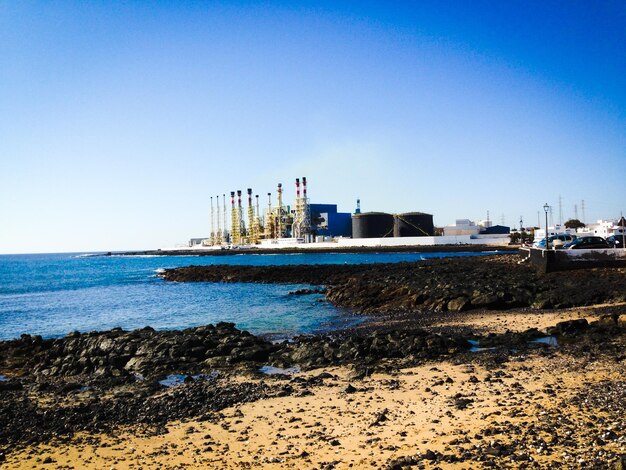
{"type": "Point", "coordinates": [304, 187]}
{"type": "Point", "coordinates": [297, 189]}
{"type": "Point", "coordinates": [212, 219]}
{"type": "Point", "coordinates": [232, 199]}
{"type": "Point", "coordinates": [218, 213]}
{"type": "Point", "coordinates": [249, 196]}
{"type": "Point", "coordinates": [239, 198]}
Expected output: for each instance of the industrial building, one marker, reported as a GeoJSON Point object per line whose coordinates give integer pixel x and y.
{"type": "Point", "coordinates": [327, 222]}
{"type": "Point", "coordinates": [303, 222]}
{"type": "Point", "coordinates": [382, 225]}
{"type": "Point", "coordinates": [248, 226]}
{"type": "Point", "coordinates": [468, 227]}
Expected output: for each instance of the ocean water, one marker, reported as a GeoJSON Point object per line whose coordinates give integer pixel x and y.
{"type": "Point", "coordinates": [54, 294]}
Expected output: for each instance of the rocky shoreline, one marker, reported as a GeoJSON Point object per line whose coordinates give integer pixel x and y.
{"type": "Point", "coordinates": [99, 382]}
{"type": "Point", "coordinates": [81, 391]}
{"type": "Point", "coordinates": [497, 282]}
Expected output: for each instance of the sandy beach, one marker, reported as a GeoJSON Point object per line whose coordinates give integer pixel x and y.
{"type": "Point", "coordinates": [541, 408]}
{"type": "Point", "coordinates": [509, 387]}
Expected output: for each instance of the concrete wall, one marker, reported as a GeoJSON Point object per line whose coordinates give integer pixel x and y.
{"type": "Point", "coordinates": [422, 241]}
{"type": "Point", "coordinates": [546, 261]}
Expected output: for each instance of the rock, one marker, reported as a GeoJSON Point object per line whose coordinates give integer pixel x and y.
{"type": "Point", "coordinates": [569, 327]}
{"type": "Point", "coordinates": [459, 304]}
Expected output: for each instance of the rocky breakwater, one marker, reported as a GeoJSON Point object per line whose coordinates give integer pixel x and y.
{"type": "Point", "coordinates": [451, 284]}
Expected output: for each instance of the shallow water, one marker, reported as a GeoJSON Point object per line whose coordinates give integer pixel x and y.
{"type": "Point", "coordinates": [178, 379]}
{"type": "Point", "coordinates": [549, 340]}
{"type": "Point", "coordinates": [53, 294]}
{"type": "Point", "coordinates": [271, 370]}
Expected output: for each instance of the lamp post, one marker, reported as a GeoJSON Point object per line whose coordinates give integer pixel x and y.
{"type": "Point", "coordinates": [546, 208]}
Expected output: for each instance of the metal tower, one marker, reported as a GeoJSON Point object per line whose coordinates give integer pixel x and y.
{"type": "Point", "coordinates": [225, 238]}
{"type": "Point", "coordinates": [240, 222]}
{"type": "Point", "coordinates": [257, 221]}
{"type": "Point", "coordinates": [251, 232]}
{"type": "Point", "coordinates": [279, 213]}
{"type": "Point", "coordinates": [212, 236]}
{"type": "Point", "coordinates": [302, 216]}
{"type": "Point", "coordinates": [235, 234]}
{"type": "Point", "coordinates": [269, 219]}
{"type": "Point", "coordinates": [218, 233]}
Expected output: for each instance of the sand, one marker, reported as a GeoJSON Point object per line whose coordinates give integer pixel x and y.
{"type": "Point", "coordinates": [526, 411]}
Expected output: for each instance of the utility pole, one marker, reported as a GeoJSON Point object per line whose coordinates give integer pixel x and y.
{"type": "Point", "coordinates": [560, 210]}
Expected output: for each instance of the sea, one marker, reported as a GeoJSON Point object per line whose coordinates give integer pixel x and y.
{"type": "Point", "coordinates": [54, 294]}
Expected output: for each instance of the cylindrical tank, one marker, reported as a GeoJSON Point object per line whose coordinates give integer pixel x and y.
{"type": "Point", "coordinates": [372, 225]}
{"type": "Point", "coordinates": [413, 224]}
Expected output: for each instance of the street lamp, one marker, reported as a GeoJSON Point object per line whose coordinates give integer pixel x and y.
{"type": "Point", "coordinates": [546, 208]}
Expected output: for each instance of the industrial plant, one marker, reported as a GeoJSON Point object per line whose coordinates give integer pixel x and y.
{"type": "Point", "coordinates": [304, 223]}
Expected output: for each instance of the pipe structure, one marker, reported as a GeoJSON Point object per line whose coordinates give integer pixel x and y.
{"type": "Point", "coordinates": [279, 212]}
{"type": "Point", "coordinates": [301, 227]}
{"type": "Point", "coordinates": [225, 237]}
{"type": "Point", "coordinates": [305, 225]}
{"type": "Point", "coordinates": [257, 221]}
{"type": "Point", "coordinates": [242, 226]}
{"type": "Point", "coordinates": [212, 236]}
{"type": "Point", "coordinates": [234, 222]}
{"type": "Point", "coordinates": [297, 216]}
{"type": "Point", "coordinates": [251, 234]}
{"type": "Point", "coordinates": [218, 233]}
{"type": "Point", "coordinates": [269, 219]}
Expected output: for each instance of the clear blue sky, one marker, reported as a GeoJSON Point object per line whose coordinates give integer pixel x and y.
{"type": "Point", "coordinates": [118, 120]}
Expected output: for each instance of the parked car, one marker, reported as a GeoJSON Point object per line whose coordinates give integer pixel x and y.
{"type": "Point", "coordinates": [564, 238]}
{"type": "Point", "coordinates": [585, 243]}
{"type": "Point", "coordinates": [617, 241]}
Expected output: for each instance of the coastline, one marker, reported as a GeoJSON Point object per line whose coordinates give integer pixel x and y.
{"type": "Point", "coordinates": [517, 404]}
{"type": "Point", "coordinates": [317, 250]}
{"type": "Point", "coordinates": [537, 386]}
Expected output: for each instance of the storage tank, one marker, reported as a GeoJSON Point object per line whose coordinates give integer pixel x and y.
{"type": "Point", "coordinates": [372, 225]}
{"type": "Point", "coordinates": [413, 224]}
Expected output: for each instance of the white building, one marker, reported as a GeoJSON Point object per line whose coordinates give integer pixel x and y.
{"type": "Point", "coordinates": [461, 227]}
{"type": "Point", "coordinates": [605, 228]}
{"type": "Point", "coordinates": [554, 230]}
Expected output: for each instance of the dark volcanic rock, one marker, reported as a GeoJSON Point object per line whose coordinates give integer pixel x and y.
{"type": "Point", "coordinates": [439, 285]}
{"type": "Point", "coordinates": [410, 345]}
{"type": "Point", "coordinates": [121, 355]}
{"type": "Point", "coordinates": [25, 421]}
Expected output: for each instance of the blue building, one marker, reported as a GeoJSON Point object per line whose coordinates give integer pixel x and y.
{"type": "Point", "coordinates": [326, 221]}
